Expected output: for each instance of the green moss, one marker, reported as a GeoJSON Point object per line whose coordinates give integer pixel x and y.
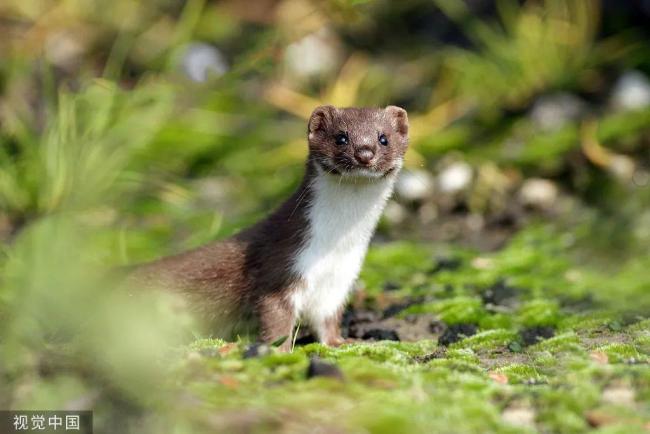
{"type": "Point", "coordinates": [565, 342]}
{"type": "Point", "coordinates": [496, 321]}
{"type": "Point", "coordinates": [488, 339]}
{"type": "Point", "coordinates": [453, 311]}
{"type": "Point", "coordinates": [619, 353]}
{"type": "Point", "coordinates": [539, 312]}
{"type": "Point", "coordinates": [520, 373]}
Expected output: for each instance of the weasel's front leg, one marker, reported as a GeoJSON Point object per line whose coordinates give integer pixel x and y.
{"type": "Point", "coordinates": [329, 330]}
{"type": "Point", "coordinates": [276, 319]}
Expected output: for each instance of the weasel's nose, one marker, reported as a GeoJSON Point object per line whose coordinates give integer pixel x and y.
{"type": "Point", "coordinates": [364, 155]}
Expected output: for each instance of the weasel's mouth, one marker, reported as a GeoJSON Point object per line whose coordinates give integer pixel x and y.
{"type": "Point", "coordinates": [352, 170]}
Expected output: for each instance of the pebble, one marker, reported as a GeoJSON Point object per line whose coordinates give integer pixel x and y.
{"type": "Point", "coordinates": [320, 368]}
{"type": "Point", "coordinates": [380, 335]}
{"type": "Point", "coordinates": [256, 350]}
{"type": "Point", "coordinates": [455, 178]}
{"type": "Point", "coordinates": [519, 416]}
{"type": "Point", "coordinates": [391, 286]}
{"type": "Point", "coordinates": [631, 91]}
{"type": "Point", "coordinates": [538, 192]}
{"type": "Point", "coordinates": [622, 167]}
{"type": "Point", "coordinates": [414, 185]}
{"type": "Point", "coordinates": [499, 294]}
{"type": "Point", "coordinates": [533, 335]}
{"type": "Point", "coordinates": [395, 213]}
{"type": "Point", "coordinates": [456, 332]}
{"type": "Point", "coordinates": [64, 49]}
{"type": "Point", "coordinates": [619, 395]}
{"type": "Point", "coordinates": [313, 55]}
{"type": "Point", "coordinates": [200, 61]}
{"type": "Point", "coordinates": [445, 263]}
{"type": "Point", "coordinates": [551, 112]}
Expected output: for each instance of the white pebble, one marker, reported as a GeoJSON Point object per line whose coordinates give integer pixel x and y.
{"type": "Point", "coordinates": [414, 185]}
{"type": "Point", "coordinates": [551, 112]}
{"type": "Point", "coordinates": [201, 60]}
{"type": "Point", "coordinates": [631, 91]}
{"type": "Point", "coordinates": [519, 416]}
{"type": "Point", "coordinates": [455, 177]}
{"type": "Point", "coordinates": [538, 192]}
{"type": "Point", "coordinates": [313, 55]}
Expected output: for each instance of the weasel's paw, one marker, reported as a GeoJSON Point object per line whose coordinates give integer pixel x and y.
{"type": "Point", "coordinates": [338, 341]}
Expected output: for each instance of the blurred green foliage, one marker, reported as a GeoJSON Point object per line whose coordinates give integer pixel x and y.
{"type": "Point", "coordinates": [111, 154]}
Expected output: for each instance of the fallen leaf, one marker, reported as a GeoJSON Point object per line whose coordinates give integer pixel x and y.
{"type": "Point", "coordinates": [227, 348]}
{"type": "Point", "coordinates": [229, 382]}
{"type": "Point", "coordinates": [597, 418]}
{"type": "Point", "coordinates": [599, 357]}
{"type": "Point", "coordinates": [499, 377]}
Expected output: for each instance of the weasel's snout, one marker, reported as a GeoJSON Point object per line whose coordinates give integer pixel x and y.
{"type": "Point", "coordinates": [364, 155]}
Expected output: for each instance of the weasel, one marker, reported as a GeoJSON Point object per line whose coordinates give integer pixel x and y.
{"type": "Point", "coordinates": [302, 260]}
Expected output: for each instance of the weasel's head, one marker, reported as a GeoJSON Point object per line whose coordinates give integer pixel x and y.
{"type": "Point", "coordinates": [358, 142]}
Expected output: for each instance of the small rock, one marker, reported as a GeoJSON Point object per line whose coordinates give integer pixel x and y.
{"type": "Point", "coordinates": [597, 418]}
{"type": "Point", "coordinates": [438, 353]}
{"type": "Point", "coordinates": [551, 112]}
{"type": "Point", "coordinates": [391, 286]}
{"type": "Point", "coordinates": [64, 49]}
{"type": "Point", "coordinates": [499, 294]}
{"type": "Point", "coordinates": [456, 332]}
{"type": "Point", "coordinates": [355, 320]}
{"type": "Point", "coordinates": [538, 193]}
{"type": "Point", "coordinates": [397, 307]}
{"type": "Point", "coordinates": [201, 60]}
{"type": "Point", "coordinates": [442, 264]}
{"type": "Point", "coordinates": [619, 395]}
{"type": "Point", "coordinates": [313, 55]}
{"type": "Point", "coordinates": [395, 213]}
{"type": "Point", "coordinates": [394, 309]}
{"type": "Point", "coordinates": [522, 416]}
{"type": "Point", "coordinates": [482, 263]}
{"type": "Point", "coordinates": [427, 213]}
{"type": "Point", "coordinates": [380, 335]}
{"type": "Point", "coordinates": [455, 178]}
{"type": "Point", "coordinates": [256, 350]}
{"type": "Point", "coordinates": [533, 335]}
{"type": "Point", "coordinates": [631, 91]}
{"type": "Point", "coordinates": [319, 368]}
{"type": "Point", "coordinates": [414, 185]}
{"type": "Point", "coordinates": [622, 167]}
{"type": "Point", "coordinates": [437, 327]}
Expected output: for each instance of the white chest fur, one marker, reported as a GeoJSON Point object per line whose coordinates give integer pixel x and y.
{"type": "Point", "coordinates": [342, 218]}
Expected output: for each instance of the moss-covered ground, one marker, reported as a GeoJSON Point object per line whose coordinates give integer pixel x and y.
{"type": "Point", "coordinates": [542, 354]}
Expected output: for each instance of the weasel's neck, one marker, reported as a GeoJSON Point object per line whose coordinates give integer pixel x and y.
{"type": "Point", "coordinates": [346, 210]}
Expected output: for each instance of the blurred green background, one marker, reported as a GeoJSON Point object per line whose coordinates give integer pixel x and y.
{"type": "Point", "coordinates": [131, 130]}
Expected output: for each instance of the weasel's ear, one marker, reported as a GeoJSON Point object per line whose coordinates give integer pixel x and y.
{"type": "Point", "coordinates": [398, 118]}
{"type": "Point", "coordinates": [320, 117]}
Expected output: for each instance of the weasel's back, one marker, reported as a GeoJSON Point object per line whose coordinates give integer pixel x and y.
{"type": "Point", "coordinates": [210, 279]}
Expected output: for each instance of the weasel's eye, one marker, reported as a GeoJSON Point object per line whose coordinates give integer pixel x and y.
{"type": "Point", "coordinates": [383, 140]}
{"type": "Point", "coordinates": [341, 139]}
